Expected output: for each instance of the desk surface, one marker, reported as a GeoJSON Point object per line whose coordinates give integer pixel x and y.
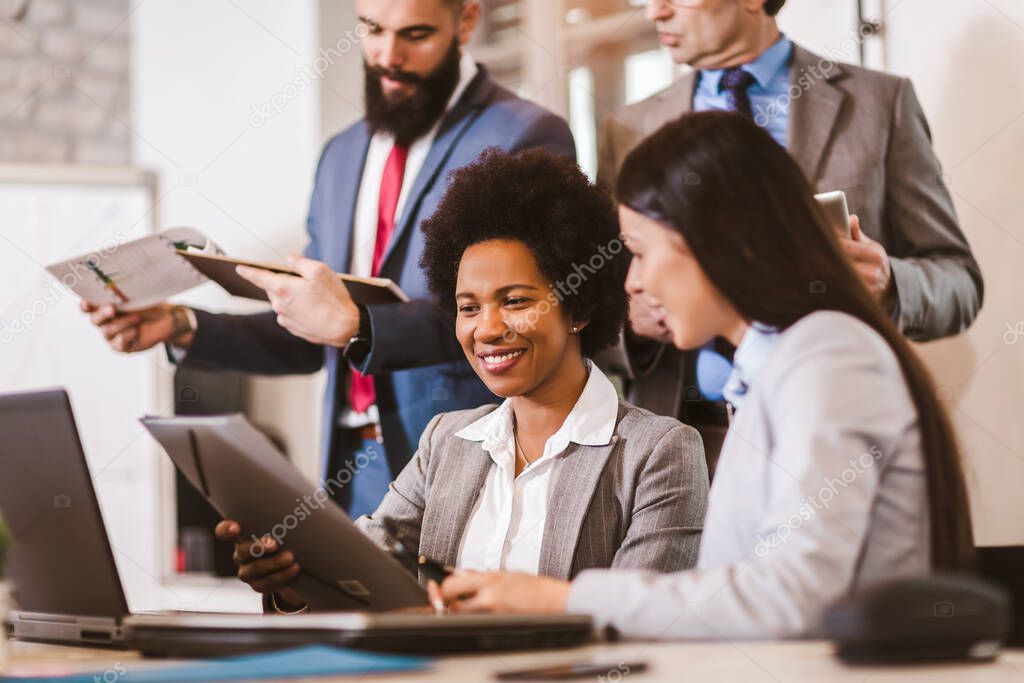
{"type": "Point", "coordinates": [675, 662]}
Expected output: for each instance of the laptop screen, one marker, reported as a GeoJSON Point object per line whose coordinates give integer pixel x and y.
{"type": "Point", "coordinates": [60, 561]}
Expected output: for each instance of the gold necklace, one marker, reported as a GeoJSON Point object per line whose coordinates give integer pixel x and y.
{"type": "Point", "coordinates": [519, 447]}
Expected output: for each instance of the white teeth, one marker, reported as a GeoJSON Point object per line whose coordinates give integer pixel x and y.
{"type": "Point", "coordinates": [495, 360]}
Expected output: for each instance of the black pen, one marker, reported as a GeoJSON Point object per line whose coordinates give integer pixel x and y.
{"type": "Point", "coordinates": [399, 546]}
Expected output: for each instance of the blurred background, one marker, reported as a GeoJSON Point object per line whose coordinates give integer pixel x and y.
{"type": "Point", "coordinates": [119, 117]}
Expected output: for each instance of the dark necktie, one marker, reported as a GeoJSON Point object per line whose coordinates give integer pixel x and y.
{"type": "Point", "coordinates": [735, 82]}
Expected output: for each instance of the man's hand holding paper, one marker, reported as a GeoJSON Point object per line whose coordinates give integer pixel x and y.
{"type": "Point", "coordinates": [129, 331]}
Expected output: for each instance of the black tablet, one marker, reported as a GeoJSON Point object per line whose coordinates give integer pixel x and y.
{"type": "Point", "coordinates": [247, 479]}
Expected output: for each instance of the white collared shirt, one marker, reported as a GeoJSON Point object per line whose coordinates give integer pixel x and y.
{"type": "Point", "coordinates": [505, 530]}
{"type": "Point", "coordinates": [364, 223]}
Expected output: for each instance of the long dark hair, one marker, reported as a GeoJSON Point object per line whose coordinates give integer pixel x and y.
{"type": "Point", "coordinates": [749, 216]}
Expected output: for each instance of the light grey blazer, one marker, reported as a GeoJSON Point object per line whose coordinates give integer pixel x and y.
{"type": "Point", "coordinates": [637, 503]}
{"type": "Point", "coordinates": [855, 130]}
{"type": "Point", "coordinates": [820, 490]}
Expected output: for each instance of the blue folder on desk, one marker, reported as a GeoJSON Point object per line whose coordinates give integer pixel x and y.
{"type": "Point", "coordinates": [315, 660]}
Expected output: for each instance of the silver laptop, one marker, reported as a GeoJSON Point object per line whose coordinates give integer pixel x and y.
{"type": "Point", "coordinates": [65, 582]}
{"type": "Point", "coordinates": [68, 590]}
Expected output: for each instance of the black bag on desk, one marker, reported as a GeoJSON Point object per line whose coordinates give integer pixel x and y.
{"type": "Point", "coordinates": [913, 620]}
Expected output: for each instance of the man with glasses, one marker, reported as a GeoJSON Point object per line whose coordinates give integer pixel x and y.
{"type": "Point", "coordinates": [850, 129]}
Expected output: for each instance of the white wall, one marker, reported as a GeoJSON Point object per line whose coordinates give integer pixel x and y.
{"type": "Point", "coordinates": [51, 213]}
{"type": "Point", "coordinates": [341, 88]}
{"type": "Point", "coordinates": [964, 59]}
{"type": "Point", "coordinates": [199, 70]}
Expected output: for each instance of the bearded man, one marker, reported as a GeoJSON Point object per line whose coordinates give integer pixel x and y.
{"type": "Point", "coordinates": [429, 109]}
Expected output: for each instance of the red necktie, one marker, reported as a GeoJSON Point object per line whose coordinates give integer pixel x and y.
{"type": "Point", "coordinates": [361, 391]}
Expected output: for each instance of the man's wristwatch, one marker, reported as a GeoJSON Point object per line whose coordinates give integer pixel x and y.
{"type": "Point", "coordinates": [358, 347]}
{"type": "Point", "coordinates": [183, 320]}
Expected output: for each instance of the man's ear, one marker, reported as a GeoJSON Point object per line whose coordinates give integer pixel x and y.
{"type": "Point", "coordinates": [469, 19]}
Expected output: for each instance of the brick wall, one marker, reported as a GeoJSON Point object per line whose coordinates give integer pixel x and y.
{"type": "Point", "coordinates": [65, 81]}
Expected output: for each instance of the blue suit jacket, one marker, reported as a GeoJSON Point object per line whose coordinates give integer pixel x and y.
{"type": "Point", "coordinates": [418, 367]}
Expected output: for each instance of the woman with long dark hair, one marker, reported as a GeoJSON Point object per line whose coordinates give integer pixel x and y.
{"type": "Point", "coordinates": [840, 469]}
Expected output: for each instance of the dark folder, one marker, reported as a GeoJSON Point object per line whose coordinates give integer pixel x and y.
{"type": "Point", "coordinates": [221, 269]}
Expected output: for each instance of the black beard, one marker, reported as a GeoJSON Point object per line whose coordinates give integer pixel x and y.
{"type": "Point", "coordinates": [411, 117]}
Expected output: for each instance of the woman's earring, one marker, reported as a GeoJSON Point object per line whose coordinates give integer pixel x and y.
{"type": "Point", "coordinates": [575, 329]}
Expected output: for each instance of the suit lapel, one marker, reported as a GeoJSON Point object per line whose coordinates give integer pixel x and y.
{"type": "Point", "coordinates": [452, 128]}
{"type": "Point", "coordinates": [347, 184]}
{"type": "Point", "coordinates": [812, 116]}
{"type": "Point", "coordinates": [569, 504]}
{"type": "Point", "coordinates": [673, 102]}
{"type": "Point", "coordinates": [457, 500]}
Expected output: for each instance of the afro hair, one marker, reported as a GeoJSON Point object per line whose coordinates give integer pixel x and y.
{"type": "Point", "coordinates": [545, 202]}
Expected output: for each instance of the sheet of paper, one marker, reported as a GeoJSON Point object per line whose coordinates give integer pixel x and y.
{"type": "Point", "coordinates": [137, 274]}
{"type": "Point", "coordinates": [314, 660]}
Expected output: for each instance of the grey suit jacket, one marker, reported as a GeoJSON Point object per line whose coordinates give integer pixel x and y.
{"type": "Point", "coordinates": [850, 129]}
{"type": "Point", "coordinates": [637, 503]}
{"type": "Point", "coordinates": [862, 132]}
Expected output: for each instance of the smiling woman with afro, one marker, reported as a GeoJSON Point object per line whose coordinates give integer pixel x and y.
{"type": "Point", "coordinates": [548, 204]}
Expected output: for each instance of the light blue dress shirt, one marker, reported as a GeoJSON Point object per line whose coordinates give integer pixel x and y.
{"type": "Point", "coordinates": [754, 348]}
{"type": "Point", "coordinates": [769, 99]}
{"type": "Point", "coordinates": [769, 102]}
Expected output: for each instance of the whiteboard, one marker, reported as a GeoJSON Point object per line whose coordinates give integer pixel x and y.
{"type": "Point", "coordinates": [48, 213]}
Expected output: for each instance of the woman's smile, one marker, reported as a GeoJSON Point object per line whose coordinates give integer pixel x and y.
{"type": "Point", "coordinates": [498, 361]}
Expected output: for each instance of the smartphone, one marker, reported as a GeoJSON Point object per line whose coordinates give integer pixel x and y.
{"type": "Point", "coordinates": [564, 672]}
{"type": "Point", "coordinates": [836, 211]}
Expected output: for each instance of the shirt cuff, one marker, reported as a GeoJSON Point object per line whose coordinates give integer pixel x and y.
{"type": "Point", "coordinates": [897, 311]}
{"type": "Point", "coordinates": [594, 593]}
{"type": "Point", "coordinates": [906, 287]}
{"type": "Point", "coordinates": [177, 354]}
